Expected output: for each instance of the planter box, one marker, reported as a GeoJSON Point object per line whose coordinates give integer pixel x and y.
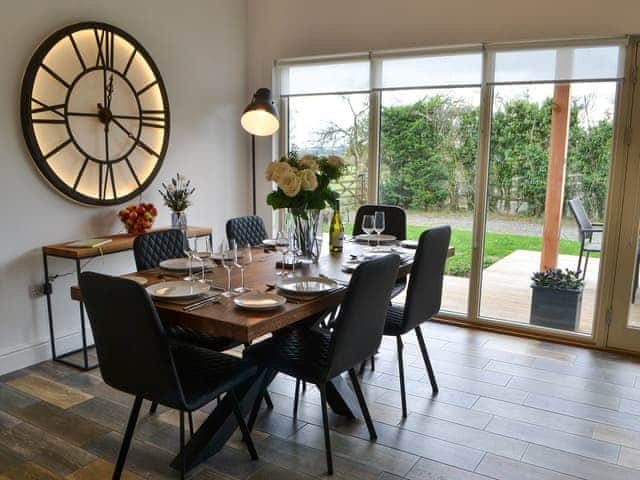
{"type": "Point", "coordinates": [555, 308]}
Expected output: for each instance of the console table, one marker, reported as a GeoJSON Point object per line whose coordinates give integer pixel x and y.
{"type": "Point", "coordinates": [119, 243]}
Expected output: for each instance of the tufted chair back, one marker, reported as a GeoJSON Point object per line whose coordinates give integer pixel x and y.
{"type": "Point", "coordinates": [152, 248]}
{"type": "Point", "coordinates": [246, 230]}
{"type": "Point", "coordinates": [395, 220]}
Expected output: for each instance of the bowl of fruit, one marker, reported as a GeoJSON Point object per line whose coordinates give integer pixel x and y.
{"type": "Point", "coordinates": [138, 219]}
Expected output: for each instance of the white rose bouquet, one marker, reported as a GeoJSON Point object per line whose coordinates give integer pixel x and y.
{"type": "Point", "coordinates": [303, 183]}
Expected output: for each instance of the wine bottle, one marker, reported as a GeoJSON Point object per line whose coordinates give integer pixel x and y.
{"type": "Point", "coordinates": [336, 231]}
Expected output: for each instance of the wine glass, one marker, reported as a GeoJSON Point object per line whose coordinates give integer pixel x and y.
{"type": "Point", "coordinates": [242, 258]}
{"type": "Point", "coordinates": [205, 255]}
{"type": "Point", "coordinates": [368, 226]}
{"type": "Point", "coordinates": [191, 255]}
{"type": "Point", "coordinates": [282, 247]}
{"type": "Point", "coordinates": [378, 224]}
{"type": "Point", "coordinates": [226, 260]}
{"type": "Point", "coordinates": [293, 249]}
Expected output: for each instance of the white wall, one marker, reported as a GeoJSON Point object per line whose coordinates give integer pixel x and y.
{"type": "Point", "coordinates": [200, 49]}
{"type": "Point", "coordinates": [291, 28]}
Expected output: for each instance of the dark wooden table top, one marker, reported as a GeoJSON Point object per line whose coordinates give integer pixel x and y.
{"type": "Point", "coordinates": [225, 319]}
{"type": "Point", "coordinates": [119, 243]}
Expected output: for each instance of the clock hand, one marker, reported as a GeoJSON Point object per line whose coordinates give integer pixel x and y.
{"type": "Point", "coordinates": [142, 145]}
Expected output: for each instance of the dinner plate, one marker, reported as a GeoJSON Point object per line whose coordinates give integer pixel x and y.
{"type": "Point", "coordinates": [182, 264]}
{"type": "Point", "coordinates": [259, 301]}
{"type": "Point", "coordinates": [136, 278]}
{"type": "Point", "coordinates": [272, 242]}
{"type": "Point", "coordinates": [177, 290]}
{"type": "Point", "coordinates": [307, 285]}
{"type": "Point", "coordinates": [365, 237]}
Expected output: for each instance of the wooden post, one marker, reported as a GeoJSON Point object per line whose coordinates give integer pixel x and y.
{"type": "Point", "coordinates": [555, 176]}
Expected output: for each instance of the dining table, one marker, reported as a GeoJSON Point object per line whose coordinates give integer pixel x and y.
{"type": "Point", "coordinates": [224, 318]}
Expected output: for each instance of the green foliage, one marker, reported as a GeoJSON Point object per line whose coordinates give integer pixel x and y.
{"type": "Point", "coordinates": [177, 193]}
{"type": "Point", "coordinates": [558, 279]}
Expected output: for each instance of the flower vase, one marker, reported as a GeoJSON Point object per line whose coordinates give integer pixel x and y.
{"type": "Point", "coordinates": [179, 220]}
{"type": "Point", "coordinates": [307, 228]}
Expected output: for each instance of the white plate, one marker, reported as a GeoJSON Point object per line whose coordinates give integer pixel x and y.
{"type": "Point", "coordinates": [177, 290]}
{"type": "Point", "coordinates": [307, 285]}
{"type": "Point", "coordinates": [259, 301]}
{"type": "Point", "coordinates": [137, 279]}
{"type": "Point", "coordinates": [182, 264]}
{"type": "Point", "coordinates": [364, 237]}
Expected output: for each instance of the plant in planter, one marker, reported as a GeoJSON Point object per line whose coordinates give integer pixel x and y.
{"type": "Point", "coordinates": [176, 196]}
{"type": "Point", "coordinates": [556, 299]}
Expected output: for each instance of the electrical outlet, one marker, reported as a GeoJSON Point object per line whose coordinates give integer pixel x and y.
{"type": "Point", "coordinates": [37, 290]}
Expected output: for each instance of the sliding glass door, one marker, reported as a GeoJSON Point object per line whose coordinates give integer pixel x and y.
{"type": "Point", "coordinates": [511, 145]}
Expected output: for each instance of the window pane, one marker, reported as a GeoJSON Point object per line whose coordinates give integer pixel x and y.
{"type": "Point", "coordinates": [335, 125]}
{"type": "Point", "coordinates": [428, 149]}
{"type": "Point", "coordinates": [558, 64]}
{"type": "Point", "coordinates": [431, 71]}
{"type": "Point", "coordinates": [519, 187]}
{"type": "Point", "coordinates": [338, 77]}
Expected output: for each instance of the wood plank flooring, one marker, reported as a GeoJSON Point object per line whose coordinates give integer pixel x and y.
{"type": "Point", "coordinates": [508, 408]}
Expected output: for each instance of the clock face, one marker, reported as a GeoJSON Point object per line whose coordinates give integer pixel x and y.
{"type": "Point", "coordinates": [95, 114]}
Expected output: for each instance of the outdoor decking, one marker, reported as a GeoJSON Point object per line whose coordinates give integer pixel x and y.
{"type": "Point", "coordinates": [506, 294]}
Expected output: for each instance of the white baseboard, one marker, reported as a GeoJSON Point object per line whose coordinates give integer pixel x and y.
{"type": "Point", "coordinates": [26, 355]}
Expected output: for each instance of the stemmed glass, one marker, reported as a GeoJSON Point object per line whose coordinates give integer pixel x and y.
{"type": "Point", "coordinates": [292, 249]}
{"type": "Point", "coordinates": [378, 224]}
{"type": "Point", "coordinates": [368, 226]}
{"type": "Point", "coordinates": [282, 247]}
{"type": "Point", "coordinates": [191, 254]}
{"type": "Point", "coordinates": [242, 258]}
{"type": "Point", "coordinates": [226, 261]}
{"type": "Point", "coordinates": [205, 255]}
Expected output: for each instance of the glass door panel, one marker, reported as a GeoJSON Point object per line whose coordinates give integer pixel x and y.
{"type": "Point", "coordinates": [550, 143]}
{"type": "Point", "coordinates": [428, 150]}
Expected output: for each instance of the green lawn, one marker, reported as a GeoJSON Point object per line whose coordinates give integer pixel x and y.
{"type": "Point", "coordinates": [498, 245]}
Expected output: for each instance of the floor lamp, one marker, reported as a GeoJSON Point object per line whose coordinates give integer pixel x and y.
{"type": "Point", "coordinates": [260, 118]}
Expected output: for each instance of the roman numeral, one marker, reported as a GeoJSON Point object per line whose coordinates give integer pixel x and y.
{"type": "Point", "coordinates": [129, 62]}
{"type": "Point", "coordinates": [78, 54]}
{"type": "Point", "coordinates": [153, 118]}
{"type": "Point", "coordinates": [58, 148]}
{"type": "Point", "coordinates": [133, 172]}
{"type": "Point", "coordinates": [105, 41]}
{"type": "Point", "coordinates": [55, 75]}
{"type": "Point", "coordinates": [80, 172]}
{"type": "Point", "coordinates": [44, 108]}
{"type": "Point", "coordinates": [147, 87]}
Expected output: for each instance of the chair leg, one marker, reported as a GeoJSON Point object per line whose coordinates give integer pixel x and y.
{"type": "Point", "coordinates": [128, 435]}
{"type": "Point", "coordinates": [362, 367]}
{"type": "Point", "coordinates": [586, 261]}
{"type": "Point", "coordinates": [296, 398]}
{"type": "Point", "coordinates": [154, 408]}
{"type": "Point", "coordinates": [580, 256]}
{"type": "Point", "coordinates": [427, 362]}
{"type": "Point", "coordinates": [403, 393]}
{"type": "Point", "coordinates": [246, 435]}
{"type": "Point", "coordinates": [191, 424]}
{"type": "Point", "coordinates": [363, 404]}
{"type": "Point", "coordinates": [373, 363]}
{"type": "Point", "coordinates": [304, 386]}
{"type": "Point", "coordinates": [183, 463]}
{"type": "Point", "coordinates": [267, 400]}
{"type": "Point", "coordinates": [256, 405]}
{"type": "Point", "coordinates": [325, 426]}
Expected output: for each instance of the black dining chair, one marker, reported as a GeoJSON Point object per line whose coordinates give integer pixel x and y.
{"type": "Point", "coordinates": [586, 229]}
{"type": "Point", "coordinates": [136, 357]}
{"type": "Point", "coordinates": [149, 250]}
{"type": "Point", "coordinates": [424, 297]}
{"type": "Point", "coordinates": [317, 355]}
{"type": "Point", "coordinates": [249, 230]}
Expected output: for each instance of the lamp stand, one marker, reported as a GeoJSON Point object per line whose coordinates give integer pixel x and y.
{"type": "Point", "coordinates": [253, 170]}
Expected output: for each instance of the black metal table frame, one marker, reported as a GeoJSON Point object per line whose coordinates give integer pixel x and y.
{"type": "Point", "coordinates": [48, 291]}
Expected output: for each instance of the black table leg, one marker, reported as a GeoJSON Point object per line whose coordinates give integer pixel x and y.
{"type": "Point", "coordinates": [342, 399]}
{"type": "Point", "coordinates": [216, 430]}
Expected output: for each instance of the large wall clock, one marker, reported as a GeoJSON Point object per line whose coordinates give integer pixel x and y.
{"type": "Point", "coordinates": [95, 114]}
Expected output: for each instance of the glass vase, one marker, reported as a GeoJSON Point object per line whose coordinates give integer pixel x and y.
{"type": "Point", "coordinates": [179, 220]}
{"type": "Point", "coordinates": [307, 230]}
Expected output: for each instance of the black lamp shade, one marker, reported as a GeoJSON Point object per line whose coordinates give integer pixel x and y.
{"type": "Point", "coordinates": [261, 116]}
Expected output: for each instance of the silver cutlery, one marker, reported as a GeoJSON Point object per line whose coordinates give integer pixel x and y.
{"type": "Point", "coordinates": [201, 303]}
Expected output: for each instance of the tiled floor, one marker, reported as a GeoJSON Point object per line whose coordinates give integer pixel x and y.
{"type": "Point", "coordinates": [508, 408]}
